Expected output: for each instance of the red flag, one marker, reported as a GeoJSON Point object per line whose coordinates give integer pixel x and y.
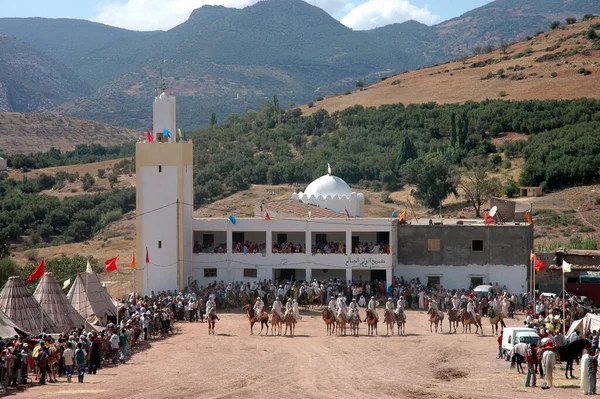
{"type": "Point", "coordinates": [149, 136]}
{"type": "Point", "coordinates": [488, 219]}
{"type": "Point", "coordinates": [111, 264]}
{"type": "Point", "coordinates": [539, 264]}
{"type": "Point", "coordinates": [37, 273]}
{"type": "Point", "coordinates": [347, 213]}
{"type": "Point", "coordinates": [267, 217]}
{"type": "Point", "coordinates": [147, 256]}
{"type": "Point", "coordinates": [528, 218]}
{"type": "Point", "coordinates": [134, 299]}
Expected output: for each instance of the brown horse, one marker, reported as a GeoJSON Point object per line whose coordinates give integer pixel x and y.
{"type": "Point", "coordinates": [342, 321]}
{"type": "Point", "coordinates": [453, 319]}
{"type": "Point", "coordinates": [435, 317]}
{"type": "Point", "coordinates": [329, 319]}
{"type": "Point", "coordinates": [467, 319]}
{"type": "Point", "coordinates": [291, 323]}
{"type": "Point", "coordinates": [401, 321]}
{"type": "Point", "coordinates": [389, 319]}
{"type": "Point", "coordinates": [276, 323]}
{"type": "Point", "coordinates": [211, 317]}
{"type": "Point", "coordinates": [354, 321]}
{"type": "Point", "coordinates": [495, 319]}
{"type": "Point", "coordinates": [372, 321]}
{"type": "Point", "coordinates": [251, 314]}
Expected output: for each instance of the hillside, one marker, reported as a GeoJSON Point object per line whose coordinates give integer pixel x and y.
{"type": "Point", "coordinates": [528, 68]}
{"type": "Point", "coordinates": [24, 133]}
{"type": "Point", "coordinates": [231, 60]}
{"type": "Point", "coordinates": [30, 80]}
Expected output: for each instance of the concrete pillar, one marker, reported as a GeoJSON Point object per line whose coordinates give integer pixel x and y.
{"type": "Point", "coordinates": [388, 277]}
{"type": "Point", "coordinates": [309, 274]}
{"type": "Point", "coordinates": [349, 245]}
{"type": "Point", "coordinates": [308, 240]}
{"type": "Point", "coordinates": [348, 274]}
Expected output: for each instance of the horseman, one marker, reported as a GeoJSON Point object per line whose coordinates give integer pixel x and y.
{"type": "Point", "coordinates": [354, 309]}
{"type": "Point", "coordinates": [288, 308]}
{"type": "Point", "coordinates": [258, 307]}
{"type": "Point", "coordinates": [332, 306]}
{"type": "Point", "coordinates": [373, 306]}
{"type": "Point", "coordinates": [400, 306]}
{"type": "Point", "coordinates": [389, 305]}
{"type": "Point", "coordinates": [277, 308]}
{"type": "Point", "coordinates": [471, 309]}
{"type": "Point", "coordinates": [211, 306]}
{"type": "Point", "coordinates": [342, 308]}
{"type": "Point", "coordinates": [296, 311]}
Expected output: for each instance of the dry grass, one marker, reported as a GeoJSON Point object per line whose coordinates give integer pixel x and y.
{"type": "Point", "coordinates": [449, 373]}
{"type": "Point", "coordinates": [450, 83]}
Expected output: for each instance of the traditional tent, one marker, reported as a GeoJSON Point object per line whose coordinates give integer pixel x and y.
{"type": "Point", "coordinates": [90, 298]}
{"type": "Point", "coordinates": [8, 328]}
{"type": "Point", "coordinates": [56, 305]}
{"type": "Point", "coordinates": [21, 307]}
{"type": "Point", "coordinates": [590, 322]}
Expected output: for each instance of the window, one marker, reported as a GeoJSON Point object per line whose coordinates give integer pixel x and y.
{"type": "Point", "coordinates": [282, 239]}
{"type": "Point", "coordinates": [475, 281]}
{"type": "Point", "coordinates": [433, 281]}
{"type": "Point", "coordinates": [159, 168]}
{"type": "Point", "coordinates": [208, 239]}
{"type": "Point", "coordinates": [433, 244]}
{"type": "Point", "coordinates": [238, 236]}
{"type": "Point", "coordinates": [477, 245]}
{"type": "Point", "coordinates": [383, 236]}
{"type": "Point", "coordinates": [320, 239]}
{"type": "Point", "coordinates": [160, 244]}
{"type": "Point", "coordinates": [249, 273]}
{"type": "Point", "coordinates": [210, 272]}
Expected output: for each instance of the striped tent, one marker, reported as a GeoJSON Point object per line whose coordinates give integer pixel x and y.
{"type": "Point", "coordinates": [18, 303]}
{"type": "Point", "coordinates": [90, 298]}
{"type": "Point", "coordinates": [56, 305]}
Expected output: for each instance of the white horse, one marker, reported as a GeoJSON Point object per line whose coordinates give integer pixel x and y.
{"type": "Point", "coordinates": [548, 360]}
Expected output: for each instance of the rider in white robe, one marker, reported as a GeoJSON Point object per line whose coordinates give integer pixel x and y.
{"type": "Point", "coordinates": [296, 311]}
{"type": "Point", "coordinates": [342, 308]}
{"type": "Point", "coordinates": [389, 305]}
{"type": "Point", "coordinates": [332, 306]}
{"type": "Point", "coordinates": [354, 309]}
{"type": "Point", "coordinates": [400, 306]}
{"type": "Point", "coordinates": [258, 307]}
{"type": "Point", "coordinates": [373, 306]}
{"type": "Point", "coordinates": [288, 308]}
{"type": "Point", "coordinates": [277, 308]}
{"type": "Point", "coordinates": [362, 302]}
{"type": "Point", "coordinates": [471, 308]}
{"type": "Point", "coordinates": [210, 304]}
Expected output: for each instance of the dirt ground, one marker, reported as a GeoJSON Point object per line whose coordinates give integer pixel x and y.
{"type": "Point", "coordinates": [233, 364]}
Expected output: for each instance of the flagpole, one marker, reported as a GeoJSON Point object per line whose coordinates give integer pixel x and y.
{"type": "Point", "coordinates": [563, 300]}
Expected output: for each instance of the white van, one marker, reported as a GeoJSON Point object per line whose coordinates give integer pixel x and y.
{"type": "Point", "coordinates": [515, 335]}
{"type": "Point", "coordinates": [484, 291]}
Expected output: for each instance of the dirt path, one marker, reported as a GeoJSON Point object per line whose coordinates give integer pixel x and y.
{"type": "Point", "coordinates": [233, 364]}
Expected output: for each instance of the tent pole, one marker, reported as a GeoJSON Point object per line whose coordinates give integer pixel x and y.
{"type": "Point", "coordinates": [563, 301]}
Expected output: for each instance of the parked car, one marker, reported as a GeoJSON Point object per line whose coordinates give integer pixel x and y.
{"type": "Point", "coordinates": [484, 291]}
{"type": "Point", "coordinates": [515, 335]}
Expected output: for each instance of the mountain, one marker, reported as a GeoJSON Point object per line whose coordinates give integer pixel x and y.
{"type": "Point", "coordinates": [24, 133]}
{"type": "Point", "coordinates": [230, 60]}
{"type": "Point", "coordinates": [562, 64]}
{"type": "Point", "coordinates": [30, 80]}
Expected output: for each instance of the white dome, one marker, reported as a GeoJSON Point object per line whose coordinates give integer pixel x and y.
{"type": "Point", "coordinates": [328, 185]}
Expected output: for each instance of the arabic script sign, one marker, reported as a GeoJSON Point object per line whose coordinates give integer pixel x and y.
{"type": "Point", "coordinates": [366, 262]}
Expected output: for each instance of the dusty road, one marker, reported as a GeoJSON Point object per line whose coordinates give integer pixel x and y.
{"type": "Point", "coordinates": [233, 364]}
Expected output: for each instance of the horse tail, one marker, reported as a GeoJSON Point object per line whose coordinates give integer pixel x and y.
{"type": "Point", "coordinates": [513, 361]}
{"type": "Point", "coordinates": [502, 323]}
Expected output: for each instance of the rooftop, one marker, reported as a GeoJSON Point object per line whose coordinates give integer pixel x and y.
{"type": "Point", "coordinates": [299, 209]}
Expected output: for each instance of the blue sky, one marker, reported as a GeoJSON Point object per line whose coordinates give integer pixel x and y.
{"type": "Point", "coordinates": [164, 14]}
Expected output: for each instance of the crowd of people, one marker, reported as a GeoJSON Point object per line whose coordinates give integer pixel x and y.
{"type": "Point", "coordinates": [289, 248]}
{"type": "Point", "coordinates": [328, 247]}
{"type": "Point", "coordinates": [249, 247]}
{"type": "Point", "coordinates": [47, 357]}
{"type": "Point", "coordinates": [370, 248]}
{"type": "Point", "coordinates": [294, 248]}
{"type": "Point", "coordinates": [210, 248]}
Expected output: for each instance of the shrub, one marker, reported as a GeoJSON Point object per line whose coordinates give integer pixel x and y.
{"type": "Point", "coordinates": [591, 34]}
{"type": "Point", "coordinates": [31, 254]}
{"type": "Point", "coordinates": [101, 173]}
{"type": "Point", "coordinates": [319, 98]}
{"type": "Point", "coordinates": [597, 201]}
{"type": "Point", "coordinates": [88, 181]}
{"type": "Point", "coordinates": [347, 92]}
{"type": "Point", "coordinates": [385, 198]}
{"type": "Point", "coordinates": [495, 159]}
{"type": "Point", "coordinates": [554, 25]}
{"type": "Point", "coordinates": [506, 164]}
{"type": "Point", "coordinates": [502, 93]}
{"type": "Point", "coordinates": [570, 21]}
{"type": "Point", "coordinates": [396, 82]}
{"type": "Point", "coordinates": [310, 104]}
{"type": "Point", "coordinates": [500, 72]}
{"type": "Point", "coordinates": [510, 189]}
{"type": "Point", "coordinates": [587, 17]}
{"type": "Point", "coordinates": [360, 83]}
{"type": "Point", "coordinates": [581, 71]}
{"type": "Point", "coordinates": [586, 229]}
{"type": "Point", "coordinates": [554, 74]}
{"type": "Point", "coordinates": [489, 76]}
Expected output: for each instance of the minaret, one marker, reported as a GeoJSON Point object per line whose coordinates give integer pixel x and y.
{"type": "Point", "coordinates": [164, 204]}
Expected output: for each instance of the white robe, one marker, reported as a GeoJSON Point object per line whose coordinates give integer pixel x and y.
{"type": "Point", "coordinates": [421, 300]}
{"type": "Point", "coordinates": [389, 305]}
{"type": "Point", "coordinates": [296, 312]}
{"type": "Point", "coordinates": [277, 308]}
{"type": "Point", "coordinates": [342, 309]}
{"type": "Point", "coordinates": [373, 307]}
{"type": "Point", "coordinates": [471, 309]}
{"type": "Point", "coordinates": [362, 302]}
{"type": "Point", "coordinates": [258, 307]}
{"type": "Point", "coordinates": [209, 305]}
{"type": "Point", "coordinates": [584, 381]}
{"type": "Point", "coordinates": [333, 306]}
{"type": "Point", "coordinates": [288, 308]}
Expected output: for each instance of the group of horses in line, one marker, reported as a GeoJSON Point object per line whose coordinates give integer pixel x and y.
{"type": "Point", "coordinates": [436, 318]}
{"type": "Point", "coordinates": [276, 321]}
{"type": "Point", "coordinates": [336, 325]}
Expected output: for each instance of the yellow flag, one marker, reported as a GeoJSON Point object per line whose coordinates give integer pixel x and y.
{"type": "Point", "coordinates": [132, 264]}
{"type": "Point", "coordinates": [532, 256]}
{"type": "Point", "coordinates": [66, 284]}
{"type": "Point", "coordinates": [88, 268]}
{"type": "Point", "coordinates": [402, 215]}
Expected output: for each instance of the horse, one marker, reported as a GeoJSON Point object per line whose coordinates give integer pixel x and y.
{"type": "Point", "coordinates": [244, 298]}
{"type": "Point", "coordinates": [289, 322]}
{"type": "Point", "coordinates": [329, 319]}
{"type": "Point", "coordinates": [372, 321]}
{"type": "Point", "coordinates": [389, 319]}
{"type": "Point", "coordinates": [342, 320]}
{"type": "Point", "coordinates": [435, 317]}
{"type": "Point", "coordinates": [570, 352]}
{"type": "Point", "coordinates": [453, 319]}
{"type": "Point", "coordinates": [495, 319]}
{"type": "Point", "coordinates": [467, 319]}
{"type": "Point", "coordinates": [211, 317]}
{"type": "Point", "coordinates": [264, 319]}
{"type": "Point", "coordinates": [276, 322]}
{"type": "Point", "coordinates": [354, 321]}
{"type": "Point", "coordinates": [549, 360]}
{"type": "Point", "coordinates": [230, 300]}
{"type": "Point", "coordinates": [400, 321]}
{"type": "Point", "coordinates": [304, 300]}
{"type": "Point", "coordinates": [517, 356]}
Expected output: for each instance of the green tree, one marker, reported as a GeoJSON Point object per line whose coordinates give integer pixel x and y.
{"type": "Point", "coordinates": [554, 25]}
{"type": "Point", "coordinates": [389, 180]}
{"type": "Point", "coordinates": [571, 21]}
{"type": "Point", "coordinates": [101, 173]}
{"type": "Point", "coordinates": [8, 268]}
{"type": "Point", "coordinates": [453, 134]}
{"type": "Point", "coordinates": [276, 109]}
{"type": "Point", "coordinates": [433, 177]}
{"type": "Point", "coordinates": [5, 247]}
{"type": "Point", "coordinates": [88, 181]}
{"type": "Point", "coordinates": [213, 119]}
{"type": "Point", "coordinates": [463, 129]}
{"type": "Point", "coordinates": [407, 152]}
{"type": "Point", "coordinates": [477, 184]}
{"type": "Point", "coordinates": [510, 188]}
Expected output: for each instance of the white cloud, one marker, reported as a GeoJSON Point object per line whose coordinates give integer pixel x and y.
{"type": "Point", "coordinates": [375, 13]}
{"type": "Point", "coordinates": [165, 14]}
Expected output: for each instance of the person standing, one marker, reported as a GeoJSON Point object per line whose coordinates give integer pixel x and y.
{"type": "Point", "coordinates": [114, 346]}
{"type": "Point", "coordinates": [43, 362]}
{"type": "Point", "coordinates": [530, 358]}
{"type": "Point", "coordinates": [80, 362]}
{"type": "Point", "coordinates": [69, 361]}
{"type": "Point", "coordinates": [584, 382]}
{"type": "Point", "coordinates": [500, 345]}
{"type": "Point", "coordinates": [592, 370]}
{"type": "Point", "coordinates": [123, 346]}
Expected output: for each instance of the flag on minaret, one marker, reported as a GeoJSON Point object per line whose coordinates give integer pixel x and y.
{"type": "Point", "coordinates": [528, 218]}
{"type": "Point", "coordinates": [132, 264]}
{"type": "Point", "coordinates": [37, 273]}
{"type": "Point", "coordinates": [402, 215]}
{"type": "Point", "coordinates": [347, 213]}
{"type": "Point", "coordinates": [329, 168]}
{"type": "Point", "coordinates": [147, 256]}
{"type": "Point", "coordinates": [539, 264]}
{"type": "Point", "coordinates": [148, 136]}
{"type": "Point", "coordinates": [167, 133]}
{"type": "Point", "coordinates": [267, 217]}
{"type": "Point", "coordinates": [111, 264]}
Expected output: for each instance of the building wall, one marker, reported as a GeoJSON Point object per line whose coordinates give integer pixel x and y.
{"type": "Point", "coordinates": [164, 116]}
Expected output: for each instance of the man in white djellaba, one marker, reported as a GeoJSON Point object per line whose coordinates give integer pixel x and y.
{"type": "Point", "coordinates": [277, 308]}
{"type": "Point", "coordinates": [288, 308]}
{"type": "Point", "coordinates": [296, 311]}
{"type": "Point", "coordinates": [389, 305]}
{"type": "Point", "coordinates": [258, 307]}
{"type": "Point", "coordinates": [373, 306]}
{"type": "Point", "coordinates": [354, 309]}
{"type": "Point", "coordinates": [332, 306]}
{"type": "Point", "coordinates": [342, 308]}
